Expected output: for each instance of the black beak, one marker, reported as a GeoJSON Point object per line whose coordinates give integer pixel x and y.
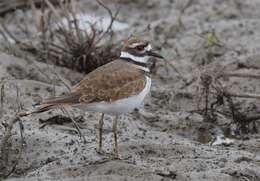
{"type": "Point", "coordinates": [154, 54]}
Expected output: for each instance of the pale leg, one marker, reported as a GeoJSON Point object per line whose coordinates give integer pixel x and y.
{"type": "Point", "coordinates": [100, 132]}
{"type": "Point", "coordinates": [115, 148]}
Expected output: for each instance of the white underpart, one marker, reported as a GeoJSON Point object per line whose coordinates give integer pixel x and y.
{"type": "Point", "coordinates": [120, 106]}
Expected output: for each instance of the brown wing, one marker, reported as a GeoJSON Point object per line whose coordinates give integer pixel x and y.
{"type": "Point", "coordinates": [67, 98]}
{"type": "Point", "coordinates": [110, 82]}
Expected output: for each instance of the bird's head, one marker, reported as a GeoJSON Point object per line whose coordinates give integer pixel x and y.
{"type": "Point", "coordinates": [138, 50]}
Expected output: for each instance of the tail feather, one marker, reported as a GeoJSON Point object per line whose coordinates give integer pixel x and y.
{"type": "Point", "coordinates": [54, 102]}
{"type": "Point", "coordinates": [39, 109]}
{"type": "Point", "coordinates": [44, 107]}
{"type": "Point", "coordinates": [70, 98]}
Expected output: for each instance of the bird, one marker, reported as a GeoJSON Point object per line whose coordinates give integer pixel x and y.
{"type": "Point", "coordinates": [115, 88]}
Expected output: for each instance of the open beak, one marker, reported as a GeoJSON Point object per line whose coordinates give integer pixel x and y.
{"type": "Point", "coordinates": [154, 54]}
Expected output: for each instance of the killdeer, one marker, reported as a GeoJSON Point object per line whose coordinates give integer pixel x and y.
{"type": "Point", "coordinates": [114, 88]}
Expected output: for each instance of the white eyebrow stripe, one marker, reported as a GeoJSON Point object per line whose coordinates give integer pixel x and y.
{"type": "Point", "coordinates": [135, 45]}
{"type": "Point", "coordinates": [147, 48]}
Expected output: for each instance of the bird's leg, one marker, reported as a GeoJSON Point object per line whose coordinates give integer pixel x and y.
{"type": "Point", "coordinates": [115, 149]}
{"type": "Point", "coordinates": [100, 132]}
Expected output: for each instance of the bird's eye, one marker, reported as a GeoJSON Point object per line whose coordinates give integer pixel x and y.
{"type": "Point", "coordinates": [140, 48]}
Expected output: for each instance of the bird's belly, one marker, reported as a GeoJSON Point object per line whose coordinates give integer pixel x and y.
{"type": "Point", "coordinates": [120, 106]}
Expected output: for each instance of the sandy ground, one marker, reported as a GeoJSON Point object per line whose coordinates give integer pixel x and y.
{"type": "Point", "coordinates": [160, 140]}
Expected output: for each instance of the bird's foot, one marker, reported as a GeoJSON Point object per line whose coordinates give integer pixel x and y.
{"type": "Point", "coordinates": [115, 155]}
{"type": "Point", "coordinates": [102, 152]}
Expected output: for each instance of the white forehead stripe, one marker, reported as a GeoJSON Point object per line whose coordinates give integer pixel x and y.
{"type": "Point", "coordinates": [148, 48]}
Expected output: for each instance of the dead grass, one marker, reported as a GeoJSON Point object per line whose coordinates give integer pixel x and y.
{"type": "Point", "coordinates": [213, 96]}
{"type": "Point", "coordinates": [60, 40]}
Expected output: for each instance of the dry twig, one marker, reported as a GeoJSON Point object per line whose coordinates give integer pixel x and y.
{"type": "Point", "coordinates": [241, 75]}
{"type": "Point", "coordinates": [2, 94]}
{"type": "Point", "coordinates": [242, 95]}
{"type": "Point", "coordinates": [75, 123]}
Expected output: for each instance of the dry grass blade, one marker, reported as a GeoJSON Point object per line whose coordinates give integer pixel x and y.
{"type": "Point", "coordinates": [10, 34]}
{"type": "Point", "coordinates": [5, 37]}
{"type": "Point", "coordinates": [54, 10]}
{"type": "Point", "coordinates": [2, 95]}
{"type": "Point", "coordinates": [75, 124]}
{"type": "Point", "coordinates": [242, 75]}
{"type": "Point", "coordinates": [242, 95]}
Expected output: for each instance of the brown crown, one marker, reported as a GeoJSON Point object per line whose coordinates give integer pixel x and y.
{"type": "Point", "coordinates": [133, 39]}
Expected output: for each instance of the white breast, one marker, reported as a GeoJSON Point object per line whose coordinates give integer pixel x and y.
{"type": "Point", "coordinates": [120, 106]}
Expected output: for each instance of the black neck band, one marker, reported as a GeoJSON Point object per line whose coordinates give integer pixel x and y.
{"type": "Point", "coordinates": [135, 62]}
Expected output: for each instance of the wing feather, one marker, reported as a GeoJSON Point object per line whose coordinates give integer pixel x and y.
{"type": "Point", "coordinates": [117, 80]}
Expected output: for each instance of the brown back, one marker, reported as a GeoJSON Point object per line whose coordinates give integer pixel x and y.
{"type": "Point", "coordinates": [115, 80]}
